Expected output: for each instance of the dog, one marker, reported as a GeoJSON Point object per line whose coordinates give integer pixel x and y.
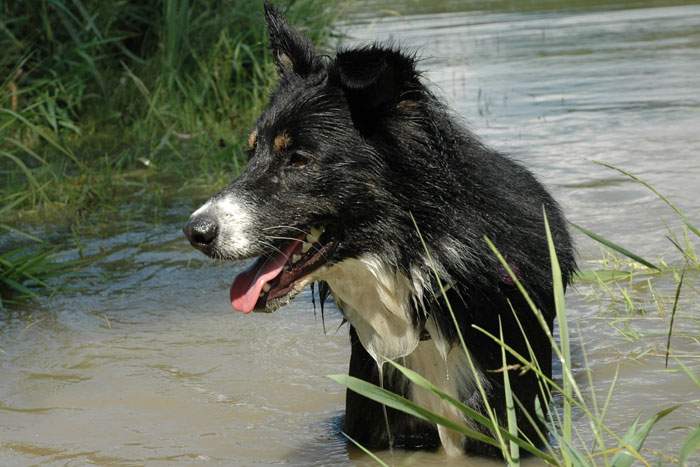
{"type": "Point", "coordinates": [361, 180]}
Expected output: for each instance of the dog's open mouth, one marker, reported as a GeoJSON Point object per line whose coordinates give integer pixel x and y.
{"type": "Point", "coordinates": [274, 279]}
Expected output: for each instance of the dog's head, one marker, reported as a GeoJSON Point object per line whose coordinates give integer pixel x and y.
{"type": "Point", "coordinates": [314, 191]}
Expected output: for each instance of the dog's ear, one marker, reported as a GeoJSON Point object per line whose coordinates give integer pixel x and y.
{"type": "Point", "coordinates": [374, 79]}
{"type": "Point", "coordinates": [293, 52]}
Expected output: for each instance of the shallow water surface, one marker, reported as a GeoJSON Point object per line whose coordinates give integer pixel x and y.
{"type": "Point", "coordinates": [141, 360]}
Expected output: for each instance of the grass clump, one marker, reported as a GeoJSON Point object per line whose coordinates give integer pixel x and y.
{"type": "Point", "coordinates": [23, 272]}
{"type": "Point", "coordinates": [106, 103]}
{"type": "Point", "coordinates": [24, 269]}
{"type": "Point", "coordinates": [98, 95]}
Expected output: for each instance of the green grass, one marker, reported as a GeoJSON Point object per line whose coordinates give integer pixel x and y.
{"type": "Point", "coordinates": [23, 273]}
{"type": "Point", "coordinates": [98, 96]}
{"type": "Point", "coordinates": [607, 446]}
{"type": "Point", "coordinates": [106, 103]}
{"type": "Point", "coordinates": [627, 287]}
{"type": "Point", "coordinates": [25, 267]}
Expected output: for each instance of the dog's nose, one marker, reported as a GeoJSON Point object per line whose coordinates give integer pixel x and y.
{"type": "Point", "coordinates": [201, 231]}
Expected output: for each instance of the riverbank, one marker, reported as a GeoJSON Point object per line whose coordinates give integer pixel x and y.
{"type": "Point", "coordinates": [103, 104]}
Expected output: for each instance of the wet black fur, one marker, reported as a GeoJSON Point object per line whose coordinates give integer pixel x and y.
{"type": "Point", "coordinates": [371, 146]}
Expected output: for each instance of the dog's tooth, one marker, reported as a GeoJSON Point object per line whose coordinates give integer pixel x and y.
{"type": "Point", "coordinates": [305, 247]}
{"type": "Point", "coordinates": [266, 287]}
{"type": "Point", "coordinates": [314, 235]}
{"type": "Point", "coordinates": [295, 258]}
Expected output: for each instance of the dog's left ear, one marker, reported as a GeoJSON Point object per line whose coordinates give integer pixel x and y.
{"type": "Point", "coordinates": [293, 52]}
{"type": "Point", "coordinates": [374, 80]}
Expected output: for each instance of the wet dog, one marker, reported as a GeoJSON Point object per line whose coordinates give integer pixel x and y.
{"type": "Point", "coordinates": [360, 179]}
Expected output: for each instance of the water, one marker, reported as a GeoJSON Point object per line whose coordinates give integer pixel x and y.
{"type": "Point", "coordinates": [141, 361]}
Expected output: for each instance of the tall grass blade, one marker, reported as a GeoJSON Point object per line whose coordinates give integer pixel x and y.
{"type": "Point", "coordinates": [680, 249]}
{"type": "Point", "coordinates": [372, 455]}
{"type": "Point", "coordinates": [560, 307]}
{"type": "Point", "coordinates": [540, 318]}
{"type": "Point", "coordinates": [615, 247]}
{"type": "Point", "coordinates": [690, 445]}
{"type": "Point", "coordinates": [579, 400]}
{"type": "Point", "coordinates": [636, 436]}
{"type": "Point", "coordinates": [16, 287]}
{"type": "Point", "coordinates": [675, 208]}
{"type": "Point", "coordinates": [574, 455]}
{"type": "Point", "coordinates": [397, 402]}
{"type": "Point", "coordinates": [33, 182]}
{"type": "Point", "coordinates": [47, 136]}
{"type": "Point", "coordinates": [176, 31]}
{"type": "Point", "coordinates": [469, 412]}
{"type": "Point", "coordinates": [673, 315]}
{"type": "Point", "coordinates": [480, 386]}
{"type": "Point", "coordinates": [510, 406]}
{"type": "Point", "coordinates": [693, 377]}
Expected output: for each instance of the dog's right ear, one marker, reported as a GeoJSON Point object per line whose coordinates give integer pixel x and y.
{"type": "Point", "coordinates": [374, 80]}
{"type": "Point", "coordinates": [293, 52]}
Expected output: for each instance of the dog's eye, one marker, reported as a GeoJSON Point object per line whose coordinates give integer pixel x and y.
{"type": "Point", "coordinates": [298, 159]}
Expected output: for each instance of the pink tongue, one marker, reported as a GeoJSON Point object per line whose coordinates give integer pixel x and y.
{"type": "Point", "coordinates": [247, 286]}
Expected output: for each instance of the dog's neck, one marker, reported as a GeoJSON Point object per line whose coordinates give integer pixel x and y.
{"type": "Point", "coordinates": [376, 301]}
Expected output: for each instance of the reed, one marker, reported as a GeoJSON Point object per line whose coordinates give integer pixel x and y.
{"type": "Point", "coordinates": [157, 91]}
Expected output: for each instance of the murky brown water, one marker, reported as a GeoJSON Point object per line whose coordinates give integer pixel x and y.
{"type": "Point", "coordinates": [142, 361]}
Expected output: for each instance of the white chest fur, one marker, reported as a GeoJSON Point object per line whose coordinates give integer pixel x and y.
{"type": "Point", "coordinates": [376, 301]}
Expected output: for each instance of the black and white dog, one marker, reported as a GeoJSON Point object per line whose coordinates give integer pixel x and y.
{"type": "Point", "coordinates": [359, 178]}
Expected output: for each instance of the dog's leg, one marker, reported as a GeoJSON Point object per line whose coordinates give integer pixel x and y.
{"type": "Point", "coordinates": [524, 384]}
{"type": "Point", "coordinates": [364, 418]}
{"type": "Point", "coordinates": [450, 375]}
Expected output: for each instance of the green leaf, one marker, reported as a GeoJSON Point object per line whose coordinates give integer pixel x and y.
{"type": "Point", "coordinates": [469, 412]}
{"type": "Point", "coordinates": [17, 287]}
{"type": "Point", "coordinates": [677, 210]}
{"type": "Point", "coordinates": [602, 275]}
{"type": "Point", "coordinates": [372, 455]}
{"type": "Point", "coordinates": [423, 383]}
{"type": "Point", "coordinates": [693, 377]}
{"type": "Point", "coordinates": [673, 315]}
{"type": "Point", "coordinates": [691, 444]}
{"type": "Point", "coordinates": [635, 438]}
{"type": "Point", "coordinates": [510, 406]}
{"type": "Point", "coordinates": [616, 247]}
{"type": "Point", "coordinates": [397, 402]}
{"type": "Point", "coordinates": [560, 307]}
{"type": "Point", "coordinates": [574, 455]}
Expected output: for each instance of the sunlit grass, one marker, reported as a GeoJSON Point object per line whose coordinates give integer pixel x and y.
{"type": "Point", "coordinates": [95, 95]}
{"type": "Point", "coordinates": [107, 103]}
{"type": "Point", "coordinates": [24, 268]}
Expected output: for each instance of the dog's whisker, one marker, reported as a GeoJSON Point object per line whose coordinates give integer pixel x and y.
{"type": "Point", "coordinates": [270, 245]}
{"type": "Point", "coordinates": [286, 227]}
{"type": "Point", "coordinates": [282, 238]}
{"type": "Point", "coordinates": [316, 249]}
